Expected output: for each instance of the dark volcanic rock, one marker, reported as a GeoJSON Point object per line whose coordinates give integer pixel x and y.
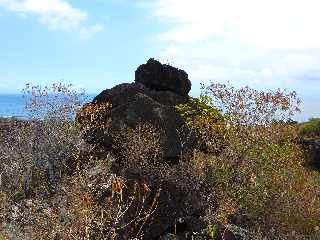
{"type": "Point", "coordinates": [155, 75]}
{"type": "Point", "coordinates": [141, 102]}
{"type": "Point", "coordinates": [134, 103]}
{"type": "Point", "coordinates": [122, 93]}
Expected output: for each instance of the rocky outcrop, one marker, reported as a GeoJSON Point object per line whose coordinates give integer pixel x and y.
{"type": "Point", "coordinates": [163, 77]}
{"type": "Point", "coordinates": [152, 98]}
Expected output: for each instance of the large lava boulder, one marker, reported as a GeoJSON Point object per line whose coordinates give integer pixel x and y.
{"type": "Point", "coordinates": [157, 76]}
{"type": "Point", "coordinates": [152, 98]}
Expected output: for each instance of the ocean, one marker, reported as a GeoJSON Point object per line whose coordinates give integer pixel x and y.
{"type": "Point", "coordinates": [13, 105]}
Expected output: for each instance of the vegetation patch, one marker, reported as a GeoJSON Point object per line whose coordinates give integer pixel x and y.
{"type": "Point", "coordinates": [243, 177]}
{"type": "Point", "coordinates": [311, 128]}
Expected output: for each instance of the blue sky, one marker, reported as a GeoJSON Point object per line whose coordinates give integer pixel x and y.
{"type": "Point", "coordinates": [96, 44]}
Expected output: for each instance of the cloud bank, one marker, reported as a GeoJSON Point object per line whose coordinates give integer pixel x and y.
{"type": "Point", "coordinates": [272, 43]}
{"type": "Point", "coordinates": [56, 14]}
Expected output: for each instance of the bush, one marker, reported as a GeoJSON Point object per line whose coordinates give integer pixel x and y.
{"type": "Point", "coordinates": [35, 151]}
{"type": "Point", "coordinates": [94, 204]}
{"type": "Point", "coordinates": [53, 186]}
{"type": "Point", "coordinates": [139, 147]}
{"type": "Point", "coordinates": [258, 181]}
{"type": "Point", "coordinates": [206, 121]}
{"type": "Point", "coordinates": [310, 128]}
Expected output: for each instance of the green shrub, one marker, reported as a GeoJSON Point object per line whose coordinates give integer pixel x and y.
{"type": "Point", "coordinates": [258, 178]}
{"type": "Point", "coordinates": [312, 127]}
{"type": "Point", "coordinates": [206, 121]}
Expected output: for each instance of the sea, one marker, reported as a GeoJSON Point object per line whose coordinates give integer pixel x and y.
{"type": "Point", "coordinates": [13, 105]}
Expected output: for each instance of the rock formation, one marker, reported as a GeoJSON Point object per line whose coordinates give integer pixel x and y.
{"type": "Point", "coordinates": [152, 98]}
{"type": "Point", "coordinates": [157, 76]}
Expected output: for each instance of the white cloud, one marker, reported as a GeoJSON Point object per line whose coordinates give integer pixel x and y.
{"type": "Point", "coordinates": [56, 14]}
{"type": "Point", "coordinates": [87, 32]}
{"type": "Point", "coordinates": [271, 24]}
{"type": "Point", "coordinates": [250, 41]}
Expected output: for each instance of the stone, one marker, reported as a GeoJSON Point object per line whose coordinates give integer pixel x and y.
{"type": "Point", "coordinates": [135, 103]}
{"type": "Point", "coordinates": [163, 77]}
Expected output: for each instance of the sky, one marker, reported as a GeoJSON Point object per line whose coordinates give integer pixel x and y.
{"type": "Point", "coordinates": [96, 44]}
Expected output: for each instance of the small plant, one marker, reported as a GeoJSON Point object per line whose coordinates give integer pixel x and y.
{"type": "Point", "coordinates": [211, 231]}
{"type": "Point", "coordinates": [140, 146]}
{"type": "Point", "coordinates": [58, 101]}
